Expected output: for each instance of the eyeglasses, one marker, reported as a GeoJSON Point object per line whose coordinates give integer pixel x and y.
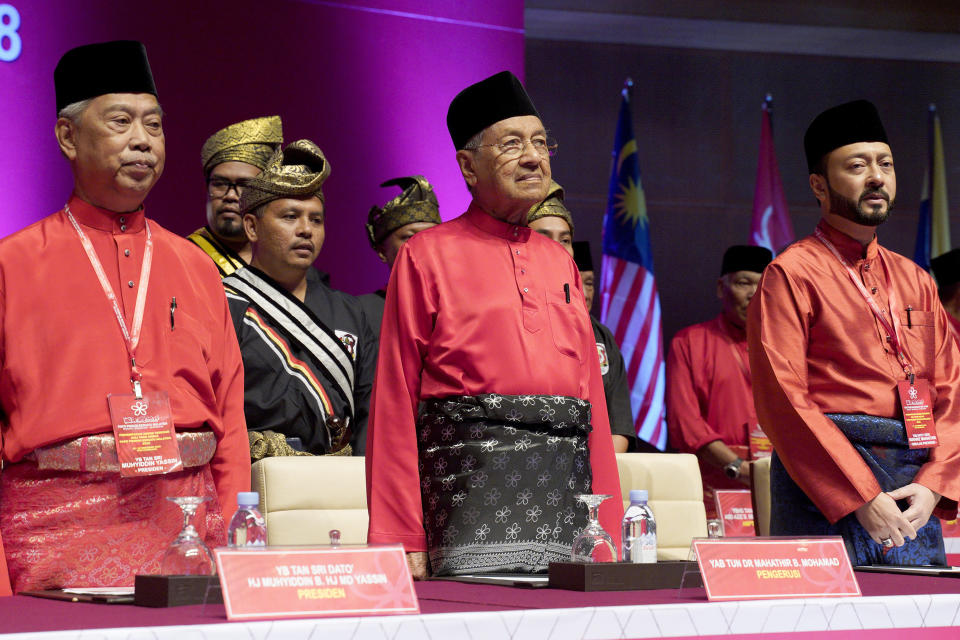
{"type": "Point", "coordinates": [513, 147]}
{"type": "Point", "coordinates": [220, 187]}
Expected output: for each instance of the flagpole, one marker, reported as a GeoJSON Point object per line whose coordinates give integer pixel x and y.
{"type": "Point", "coordinates": [768, 106]}
{"type": "Point", "coordinates": [627, 88]}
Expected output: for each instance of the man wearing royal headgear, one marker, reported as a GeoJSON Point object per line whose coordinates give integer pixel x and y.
{"type": "Point", "coordinates": [710, 409]}
{"type": "Point", "coordinates": [488, 405]}
{"type": "Point", "coordinates": [231, 157]}
{"type": "Point", "coordinates": [131, 334]}
{"type": "Point", "coordinates": [308, 354]}
{"type": "Point", "coordinates": [389, 228]}
{"type": "Point", "coordinates": [553, 220]}
{"type": "Point", "coordinates": [855, 373]}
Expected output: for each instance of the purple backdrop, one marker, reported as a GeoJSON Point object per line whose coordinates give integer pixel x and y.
{"type": "Point", "coordinates": [368, 81]}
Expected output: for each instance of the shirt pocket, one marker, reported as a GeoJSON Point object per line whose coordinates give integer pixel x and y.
{"type": "Point", "coordinates": [188, 348]}
{"type": "Point", "coordinates": [567, 322]}
{"type": "Point", "coordinates": [919, 340]}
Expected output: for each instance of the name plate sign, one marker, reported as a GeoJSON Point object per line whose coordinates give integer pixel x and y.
{"type": "Point", "coordinates": [303, 582]}
{"type": "Point", "coordinates": [735, 510]}
{"type": "Point", "coordinates": [767, 568]}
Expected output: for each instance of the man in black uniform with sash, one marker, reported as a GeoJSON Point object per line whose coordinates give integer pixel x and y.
{"type": "Point", "coordinates": [308, 354]}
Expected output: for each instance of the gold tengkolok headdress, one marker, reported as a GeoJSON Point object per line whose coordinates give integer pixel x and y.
{"type": "Point", "coordinates": [552, 205]}
{"type": "Point", "coordinates": [296, 172]}
{"type": "Point", "coordinates": [251, 141]}
{"type": "Point", "coordinates": [417, 203]}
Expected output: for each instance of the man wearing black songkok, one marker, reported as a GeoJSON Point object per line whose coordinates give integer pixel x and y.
{"type": "Point", "coordinates": [710, 409]}
{"type": "Point", "coordinates": [855, 373]}
{"type": "Point", "coordinates": [74, 285]}
{"type": "Point", "coordinates": [488, 411]}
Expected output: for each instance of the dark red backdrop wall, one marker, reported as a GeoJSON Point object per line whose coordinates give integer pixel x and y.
{"type": "Point", "coordinates": [368, 81]}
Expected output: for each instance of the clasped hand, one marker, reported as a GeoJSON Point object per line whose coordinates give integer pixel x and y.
{"type": "Point", "coordinates": [882, 518]}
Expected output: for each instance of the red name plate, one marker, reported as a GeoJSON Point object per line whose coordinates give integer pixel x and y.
{"type": "Point", "coordinates": [775, 568]}
{"type": "Point", "coordinates": [300, 582]}
{"type": "Point", "coordinates": [735, 510]}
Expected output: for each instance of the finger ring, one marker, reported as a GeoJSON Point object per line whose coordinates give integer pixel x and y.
{"type": "Point", "coordinates": [887, 542]}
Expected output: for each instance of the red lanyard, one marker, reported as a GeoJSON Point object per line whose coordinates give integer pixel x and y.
{"type": "Point", "coordinates": [131, 338]}
{"type": "Point", "coordinates": [893, 329]}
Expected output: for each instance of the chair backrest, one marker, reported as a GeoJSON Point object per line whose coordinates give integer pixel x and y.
{"type": "Point", "coordinates": [676, 497]}
{"type": "Point", "coordinates": [303, 498]}
{"type": "Point", "coordinates": [760, 492]}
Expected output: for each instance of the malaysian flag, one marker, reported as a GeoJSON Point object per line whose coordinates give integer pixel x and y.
{"type": "Point", "coordinates": [933, 228]}
{"type": "Point", "coordinates": [629, 303]}
{"type": "Point", "coordinates": [770, 226]}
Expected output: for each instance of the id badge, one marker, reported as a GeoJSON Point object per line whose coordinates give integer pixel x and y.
{"type": "Point", "coordinates": [918, 413]}
{"type": "Point", "coordinates": [760, 445]}
{"type": "Point", "coordinates": [143, 430]}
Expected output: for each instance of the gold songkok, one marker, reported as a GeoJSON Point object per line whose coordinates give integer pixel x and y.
{"type": "Point", "coordinates": [251, 141]}
{"type": "Point", "coordinates": [296, 172]}
{"type": "Point", "coordinates": [552, 205]}
{"type": "Point", "coordinates": [417, 203]}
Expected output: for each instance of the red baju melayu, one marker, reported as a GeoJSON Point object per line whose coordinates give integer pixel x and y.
{"type": "Point", "coordinates": [62, 351]}
{"type": "Point", "coordinates": [477, 306]}
{"type": "Point", "coordinates": [816, 348]}
{"type": "Point", "coordinates": [709, 397]}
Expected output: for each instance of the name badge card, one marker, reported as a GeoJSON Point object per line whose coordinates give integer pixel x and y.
{"type": "Point", "coordinates": [299, 582]}
{"type": "Point", "coordinates": [144, 433]}
{"type": "Point", "coordinates": [735, 509]}
{"type": "Point", "coordinates": [760, 445]}
{"type": "Point", "coordinates": [770, 568]}
{"type": "Point", "coordinates": [917, 413]}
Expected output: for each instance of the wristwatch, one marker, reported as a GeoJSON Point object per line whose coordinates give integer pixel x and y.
{"type": "Point", "coordinates": [733, 469]}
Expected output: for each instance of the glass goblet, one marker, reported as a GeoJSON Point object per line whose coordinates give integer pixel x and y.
{"type": "Point", "coordinates": [187, 555]}
{"type": "Point", "coordinates": [593, 544]}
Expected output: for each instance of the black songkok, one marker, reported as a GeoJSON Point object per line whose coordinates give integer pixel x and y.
{"type": "Point", "coordinates": [581, 255]}
{"type": "Point", "coordinates": [946, 268]}
{"type": "Point", "coordinates": [745, 258]}
{"type": "Point", "coordinates": [856, 121]}
{"type": "Point", "coordinates": [120, 66]}
{"type": "Point", "coordinates": [480, 105]}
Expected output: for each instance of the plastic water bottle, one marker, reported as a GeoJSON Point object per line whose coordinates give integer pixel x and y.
{"type": "Point", "coordinates": [639, 530]}
{"type": "Point", "coordinates": [247, 527]}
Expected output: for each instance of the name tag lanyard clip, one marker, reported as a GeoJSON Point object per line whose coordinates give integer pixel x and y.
{"type": "Point", "coordinates": [131, 337]}
{"type": "Point", "coordinates": [891, 326]}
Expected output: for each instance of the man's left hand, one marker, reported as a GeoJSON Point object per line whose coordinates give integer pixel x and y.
{"type": "Point", "coordinates": [921, 499]}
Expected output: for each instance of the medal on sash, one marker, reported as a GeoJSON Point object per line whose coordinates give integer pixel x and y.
{"type": "Point", "coordinates": [914, 392]}
{"type": "Point", "coordinates": [142, 423]}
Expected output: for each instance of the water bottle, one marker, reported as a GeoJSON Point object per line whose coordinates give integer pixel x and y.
{"type": "Point", "coordinates": [247, 527]}
{"type": "Point", "coordinates": [639, 530]}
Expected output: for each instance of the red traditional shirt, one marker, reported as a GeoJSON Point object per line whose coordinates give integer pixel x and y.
{"type": "Point", "coordinates": [475, 306]}
{"type": "Point", "coordinates": [816, 348]}
{"type": "Point", "coordinates": [709, 396]}
{"type": "Point", "coordinates": [62, 352]}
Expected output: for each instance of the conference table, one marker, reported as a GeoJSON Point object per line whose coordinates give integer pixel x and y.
{"type": "Point", "coordinates": [892, 606]}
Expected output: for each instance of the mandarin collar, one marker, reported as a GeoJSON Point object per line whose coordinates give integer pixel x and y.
{"type": "Point", "coordinates": [738, 334]}
{"type": "Point", "coordinates": [105, 220]}
{"type": "Point", "coordinates": [848, 247]}
{"type": "Point", "coordinates": [488, 224]}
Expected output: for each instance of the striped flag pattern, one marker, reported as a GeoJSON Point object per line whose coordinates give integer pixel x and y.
{"type": "Point", "coordinates": [629, 302]}
{"type": "Point", "coordinates": [933, 228]}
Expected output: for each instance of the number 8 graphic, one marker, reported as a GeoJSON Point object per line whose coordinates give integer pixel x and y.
{"type": "Point", "coordinates": [10, 42]}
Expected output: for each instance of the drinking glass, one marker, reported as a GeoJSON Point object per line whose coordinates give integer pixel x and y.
{"type": "Point", "coordinates": [593, 544]}
{"type": "Point", "coordinates": [187, 555]}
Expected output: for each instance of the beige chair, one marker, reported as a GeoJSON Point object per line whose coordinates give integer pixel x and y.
{"type": "Point", "coordinates": [676, 497]}
{"type": "Point", "coordinates": [760, 494]}
{"type": "Point", "coordinates": [303, 498]}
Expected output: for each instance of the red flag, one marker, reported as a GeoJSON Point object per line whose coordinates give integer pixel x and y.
{"type": "Point", "coordinates": [770, 226]}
